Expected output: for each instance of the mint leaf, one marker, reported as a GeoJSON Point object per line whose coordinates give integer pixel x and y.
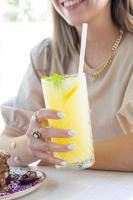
{"type": "Point", "coordinates": [56, 78]}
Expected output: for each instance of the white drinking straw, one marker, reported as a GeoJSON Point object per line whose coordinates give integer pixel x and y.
{"type": "Point", "coordinates": [82, 48]}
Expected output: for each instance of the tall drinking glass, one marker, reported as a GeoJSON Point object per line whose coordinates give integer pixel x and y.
{"type": "Point", "coordinates": [69, 95]}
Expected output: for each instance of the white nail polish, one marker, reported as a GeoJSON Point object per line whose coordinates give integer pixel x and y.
{"type": "Point", "coordinates": [13, 145]}
{"type": "Point", "coordinates": [62, 163]}
{"type": "Point", "coordinates": [17, 160]}
{"type": "Point", "coordinates": [71, 147]}
{"type": "Point", "coordinates": [71, 133]}
{"type": "Point", "coordinates": [60, 115]}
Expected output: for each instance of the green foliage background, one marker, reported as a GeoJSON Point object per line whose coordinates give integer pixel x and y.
{"type": "Point", "coordinates": [16, 13]}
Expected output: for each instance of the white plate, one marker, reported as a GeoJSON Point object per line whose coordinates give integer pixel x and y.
{"type": "Point", "coordinates": [30, 188]}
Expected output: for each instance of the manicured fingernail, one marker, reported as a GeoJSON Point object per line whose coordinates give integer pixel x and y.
{"type": "Point", "coordinates": [71, 147]}
{"type": "Point", "coordinates": [60, 115]}
{"type": "Point", "coordinates": [71, 133]}
{"type": "Point", "coordinates": [62, 163]}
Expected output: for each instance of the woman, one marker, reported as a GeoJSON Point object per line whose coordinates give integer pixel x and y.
{"type": "Point", "coordinates": [109, 71]}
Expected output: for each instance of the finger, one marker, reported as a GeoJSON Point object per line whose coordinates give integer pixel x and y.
{"type": "Point", "coordinates": [50, 146]}
{"type": "Point", "coordinates": [48, 158]}
{"type": "Point", "coordinates": [49, 132]}
{"type": "Point", "coordinates": [53, 147]}
{"type": "Point", "coordinates": [44, 114]}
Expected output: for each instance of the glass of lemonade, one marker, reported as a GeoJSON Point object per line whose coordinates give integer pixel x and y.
{"type": "Point", "coordinates": [68, 94]}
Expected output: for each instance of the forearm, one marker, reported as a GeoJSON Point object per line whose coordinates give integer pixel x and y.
{"type": "Point", "coordinates": [21, 150]}
{"type": "Point", "coordinates": [115, 154]}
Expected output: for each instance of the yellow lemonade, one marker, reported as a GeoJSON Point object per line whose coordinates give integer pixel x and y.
{"type": "Point", "coordinates": [69, 95]}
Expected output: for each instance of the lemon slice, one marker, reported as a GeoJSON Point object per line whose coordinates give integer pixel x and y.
{"type": "Point", "coordinates": [72, 91]}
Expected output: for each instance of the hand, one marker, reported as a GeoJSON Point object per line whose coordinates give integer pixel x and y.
{"type": "Point", "coordinates": [43, 148]}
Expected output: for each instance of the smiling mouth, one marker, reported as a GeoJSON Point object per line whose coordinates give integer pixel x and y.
{"type": "Point", "coordinates": [71, 3]}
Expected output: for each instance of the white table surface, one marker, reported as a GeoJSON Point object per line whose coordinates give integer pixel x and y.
{"type": "Point", "coordinates": [83, 185]}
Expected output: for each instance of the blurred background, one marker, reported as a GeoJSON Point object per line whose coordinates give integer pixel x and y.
{"type": "Point", "coordinates": [23, 23]}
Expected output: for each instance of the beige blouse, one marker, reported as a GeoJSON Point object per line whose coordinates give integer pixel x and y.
{"type": "Point", "coordinates": [110, 97]}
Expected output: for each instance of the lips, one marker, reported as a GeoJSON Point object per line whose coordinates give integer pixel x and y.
{"type": "Point", "coordinates": [70, 3]}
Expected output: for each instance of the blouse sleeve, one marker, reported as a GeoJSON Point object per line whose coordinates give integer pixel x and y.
{"type": "Point", "coordinates": [125, 114]}
{"type": "Point", "coordinates": [18, 111]}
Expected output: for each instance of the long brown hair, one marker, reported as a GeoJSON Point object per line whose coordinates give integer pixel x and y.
{"type": "Point", "coordinates": [122, 14]}
{"type": "Point", "coordinates": [66, 42]}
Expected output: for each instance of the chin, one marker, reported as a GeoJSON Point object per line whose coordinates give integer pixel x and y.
{"type": "Point", "coordinates": [76, 22]}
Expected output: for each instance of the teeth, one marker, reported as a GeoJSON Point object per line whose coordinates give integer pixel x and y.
{"type": "Point", "coordinates": [71, 3]}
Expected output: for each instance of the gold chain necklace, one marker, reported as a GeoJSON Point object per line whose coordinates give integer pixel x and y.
{"type": "Point", "coordinates": [97, 73]}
